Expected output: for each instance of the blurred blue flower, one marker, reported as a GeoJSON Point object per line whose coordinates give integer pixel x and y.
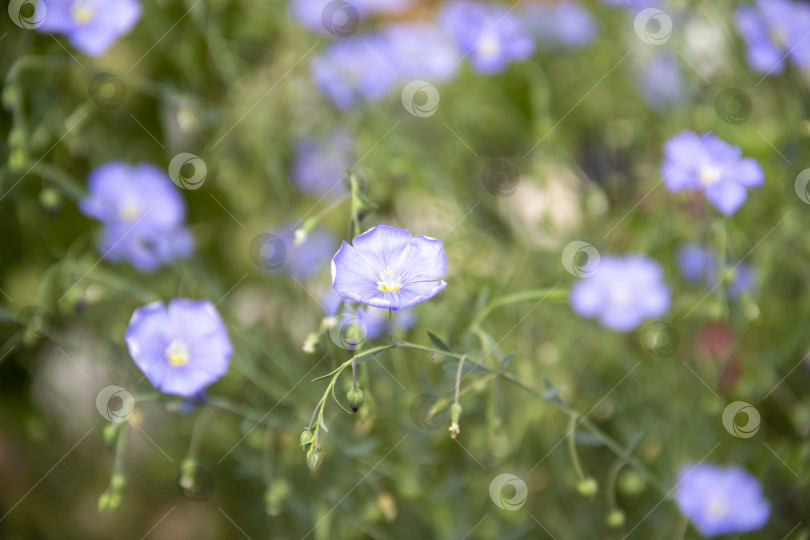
{"type": "Point", "coordinates": [721, 500]}
{"type": "Point", "coordinates": [775, 31]}
{"type": "Point", "coordinates": [353, 69]}
{"type": "Point", "coordinates": [488, 32]}
{"type": "Point", "coordinates": [321, 163]}
{"type": "Point", "coordinates": [182, 349]}
{"type": "Point", "coordinates": [661, 80]}
{"type": "Point", "coordinates": [304, 254]}
{"type": "Point", "coordinates": [420, 50]}
{"type": "Point", "coordinates": [386, 267]}
{"type": "Point", "coordinates": [319, 15]}
{"type": "Point", "coordinates": [91, 25]}
{"type": "Point", "coordinates": [562, 25]}
{"type": "Point", "coordinates": [700, 265]}
{"type": "Point", "coordinates": [142, 213]}
{"type": "Point", "coordinates": [713, 165]}
{"type": "Point", "coordinates": [622, 292]}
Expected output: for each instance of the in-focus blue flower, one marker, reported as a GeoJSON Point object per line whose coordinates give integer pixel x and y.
{"type": "Point", "coordinates": [353, 70]}
{"type": "Point", "coordinates": [142, 212]}
{"type": "Point", "coordinates": [389, 268]}
{"type": "Point", "coordinates": [661, 81]}
{"type": "Point", "coordinates": [713, 165]}
{"type": "Point", "coordinates": [182, 349]}
{"type": "Point", "coordinates": [721, 500]}
{"type": "Point", "coordinates": [321, 163]}
{"type": "Point", "coordinates": [700, 265]}
{"type": "Point", "coordinates": [420, 51]}
{"type": "Point", "coordinates": [487, 32]}
{"type": "Point", "coordinates": [622, 292]}
{"type": "Point", "coordinates": [563, 25]}
{"type": "Point", "coordinates": [91, 25]}
{"type": "Point", "coordinates": [775, 31]}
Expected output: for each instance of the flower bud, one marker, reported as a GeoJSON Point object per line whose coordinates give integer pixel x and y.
{"type": "Point", "coordinates": [314, 458]}
{"type": "Point", "coordinates": [306, 437]}
{"type": "Point", "coordinates": [587, 487]}
{"type": "Point", "coordinates": [455, 414]}
{"type": "Point", "coordinates": [355, 398]}
{"type": "Point", "coordinates": [615, 518]}
{"type": "Point", "coordinates": [111, 432]}
{"type": "Point", "coordinates": [117, 482]}
{"type": "Point", "coordinates": [310, 342]}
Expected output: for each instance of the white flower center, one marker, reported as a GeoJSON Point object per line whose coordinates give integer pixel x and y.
{"type": "Point", "coordinates": [620, 297]}
{"type": "Point", "coordinates": [709, 174]}
{"type": "Point", "coordinates": [129, 211]}
{"type": "Point", "coordinates": [489, 47]}
{"type": "Point", "coordinates": [389, 282]}
{"type": "Point", "coordinates": [82, 12]}
{"type": "Point", "coordinates": [177, 353]}
{"type": "Point", "coordinates": [717, 508]}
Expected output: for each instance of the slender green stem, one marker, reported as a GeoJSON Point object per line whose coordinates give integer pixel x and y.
{"type": "Point", "coordinates": [458, 375]}
{"type": "Point", "coordinates": [536, 294]}
{"type": "Point", "coordinates": [610, 488]}
{"type": "Point", "coordinates": [572, 446]}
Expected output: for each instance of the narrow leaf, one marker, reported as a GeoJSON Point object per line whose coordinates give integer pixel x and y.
{"type": "Point", "coordinates": [506, 360]}
{"type": "Point", "coordinates": [438, 342]}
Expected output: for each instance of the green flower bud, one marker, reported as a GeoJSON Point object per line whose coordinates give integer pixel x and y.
{"type": "Point", "coordinates": [50, 199]}
{"type": "Point", "coordinates": [615, 518]}
{"type": "Point", "coordinates": [314, 458]}
{"type": "Point", "coordinates": [587, 487]}
{"type": "Point", "coordinates": [111, 432]}
{"type": "Point", "coordinates": [117, 482]}
{"type": "Point", "coordinates": [103, 502]}
{"type": "Point", "coordinates": [631, 483]}
{"type": "Point", "coordinates": [306, 437]}
{"type": "Point", "coordinates": [455, 412]}
{"type": "Point", "coordinates": [355, 398]}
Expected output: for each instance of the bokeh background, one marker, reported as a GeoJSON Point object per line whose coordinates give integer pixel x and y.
{"type": "Point", "coordinates": [507, 164]}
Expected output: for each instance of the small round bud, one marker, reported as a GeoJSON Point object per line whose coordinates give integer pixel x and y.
{"type": "Point", "coordinates": [587, 487]}
{"type": "Point", "coordinates": [117, 482]}
{"type": "Point", "coordinates": [306, 437]}
{"type": "Point", "coordinates": [615, 518]}
{"type": "Point", "coordinates": [314, 458]}
{"type": "Point", "coordinates": [51, 200]}
{"type": "Point", "coordinates": [631, 483]}
{"type": "Point", "coordinates": [103, 502]}
{"type": "Point", "coordinates": [355, 398]}
{"type": "Point", "coordinates": [110, 433]}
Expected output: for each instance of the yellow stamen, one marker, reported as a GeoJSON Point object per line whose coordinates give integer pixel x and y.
{"type": "Point", "coordinates": [388, 281]}
{"type": "Point", "coordinates": [177, 353]}
{"type": "Point", "coordinates": [82, 12]}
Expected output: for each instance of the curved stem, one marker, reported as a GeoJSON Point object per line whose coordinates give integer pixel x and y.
{"type": "Point", "coordinates": [572, 446]}
{"type": "Point", "coordinates": [536, 294]}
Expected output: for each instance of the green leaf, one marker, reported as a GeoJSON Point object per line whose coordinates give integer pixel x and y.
{"type": "Point", "coordinates": [551, 393]}
{"type": "Point", "coordinates": [506, 360]}
{"type": "Point", "coordinates": [322, 377]}
{"type": "Point", "coordinates": [633, 444]}
{"type": "Point", "coordinates": [438, 342]}
{"type": "Point", "coordinates": [586, 439]}
{"type": "Point", "coordinates": [338, 401]}
{"type": "Point", "coordinates": [468, 367]}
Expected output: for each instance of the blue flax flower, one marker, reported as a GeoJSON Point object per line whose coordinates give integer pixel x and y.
{"type": "Point", "coordinates": [321, 163]}
{"type": "Point", "coordinates": [721, 500]}
{"type": "Point", "coordinates": [419, 50]}
{"type": "Point", "coordinates": [91, 25]}
{"type": "Point", "coordinates": [353, 70]}
{"type": "Point", "coordinates": [491, 35]}
{"type": "Point", "coordinates": [182, 349]}
{"type": "Point", "coordinates": [142, 212]}
{"type": "Point", "coordinates": [713, 165]}
{"type": "Point", "coordinates": [775, 31]}
{"type": "Point", "coordinates": [563, 25]}
{"type": "Point", "coordinates": [622, 292]}
{"type": "Point", "coordinates": [390, 268]}
{"type": "Point", "coordinates": [700, 265]}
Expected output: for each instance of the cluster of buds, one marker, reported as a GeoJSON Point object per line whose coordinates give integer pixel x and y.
{"type": "Point", "coordinates": [314, 452]}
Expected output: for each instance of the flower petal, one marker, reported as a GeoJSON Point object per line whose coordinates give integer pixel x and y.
{"type": "Point", "coordinates": [726, 196]}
